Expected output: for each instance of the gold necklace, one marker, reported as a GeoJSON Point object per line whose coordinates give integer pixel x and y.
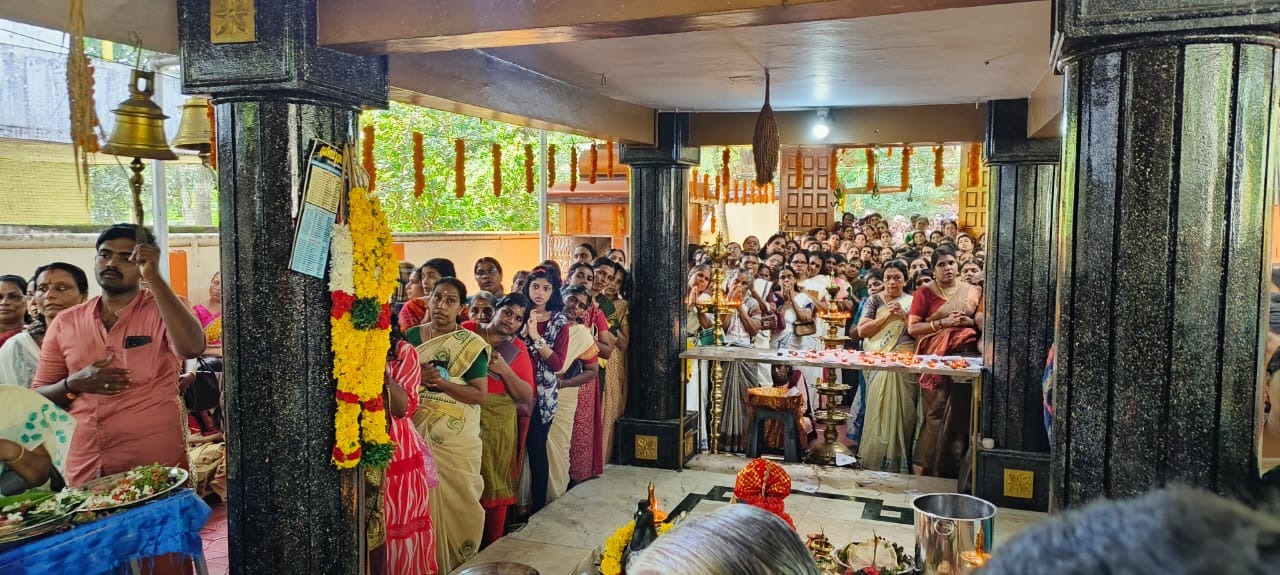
{"type": "Point", "coordinates": [947, 294]}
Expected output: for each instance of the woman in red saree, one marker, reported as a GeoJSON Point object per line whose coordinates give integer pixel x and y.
{"type": "Point", "coordinates": [411, 546]}
{"type": "Point", "coordinates": [942, 322]}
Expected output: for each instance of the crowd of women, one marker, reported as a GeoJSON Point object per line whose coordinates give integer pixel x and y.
{"type": "Point", "coordinates": [919, 291]}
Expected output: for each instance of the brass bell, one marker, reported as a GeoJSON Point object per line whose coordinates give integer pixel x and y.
{"type": "Point", "coordinates": [139, 131]}
{"type": "Point", "coordinates": [194, 130]}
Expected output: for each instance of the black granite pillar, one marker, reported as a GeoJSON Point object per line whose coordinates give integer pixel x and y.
{"type": "Point", "coordinates": [1020, 290]}
{"type": "Point", "coordinates": [651, 432]}
{"type": "Point", "coordinates": [1168, 159]}
{"type": "Point", "coordinates": [290, 510]}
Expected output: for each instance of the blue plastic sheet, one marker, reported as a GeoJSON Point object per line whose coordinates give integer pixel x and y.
{"type": "Point", "coordinates": [168, 526]}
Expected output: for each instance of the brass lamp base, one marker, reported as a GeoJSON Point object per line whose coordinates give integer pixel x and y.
{"type": "Point", "coordinates": [825, 453]}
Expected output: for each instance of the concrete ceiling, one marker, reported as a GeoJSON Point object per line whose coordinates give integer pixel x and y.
{"type": "Point", "coordinates": [953, 56]}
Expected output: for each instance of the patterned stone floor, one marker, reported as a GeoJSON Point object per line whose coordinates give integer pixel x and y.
{"type": "Point", "coordinates": [847, 505]}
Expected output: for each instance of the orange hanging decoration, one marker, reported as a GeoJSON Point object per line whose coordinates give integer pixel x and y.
{"type": "Point", "coordinates": [573, 169]}
{"type": "Point", "coordinates": [889, 154]}
{"type": "Point", "coordinates": [610, 159]}
{"type": "Point", "coordinates": [595, 158]}
{"type": "Point", "coordinates": [419, 181]}
{"type": "Point", "coordinates": [693, 183]}
{"type": "Point", "coordinates": [497, 170]}
{"type": "Point", "coordinates": [724, 162]}
{"type": "Point", "coordinates": [213, 135]}
{"type": "Point", "coordinates": [906, 167]}
{"type": "Point", "coordinates": [706, 187]}
{"type": "Point", "coordinates": [528, 168]}
{"type": "Point", "coordinates": [551, 165]}
{"type": "Point", "coordinates": [937, 165]}
{"type": "Point", "coordinates": [366, 154]}
{"type": "Point", "coordinates": [459, 167]}
{"type": "Point", "coordinates": [871, 169]}
{"type": "Point", "coordinates": [773, 193]}
{"type": "Point", "coordinates": [975, 163]}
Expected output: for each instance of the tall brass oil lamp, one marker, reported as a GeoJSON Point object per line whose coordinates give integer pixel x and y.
{"type": "Point", "coordinates": [829, 387]}
{"type": "Point", "coordinates": [721, 307]}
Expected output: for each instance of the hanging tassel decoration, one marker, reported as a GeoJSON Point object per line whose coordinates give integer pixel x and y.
{"type": "Point", "coordinates": [799, 169]}
{"type": "Point", "coordinates": [551, 165]}
{"type": "Point", "coordinates": [906, 167]}
{"type": "Point", "coordinates": [693, 183]}
{"type": "Point", "coordinates": [975, 164]}
{"type": "Point", "coordinates": [765, 141]}
{"type": "Point", "coordinates": [497, 170]}
{"type": "Point", "coordinates": [573, 169]}
{"type": "Point", "coordinates": [610, 159]}
{"type": "Point", "coordinates": [706, 187]}
{"type": "Point", "coordinates": [213, 136]}
{"type": "Point", "coordinates": [419, 180]}
{"type": "Point", "coordinates": [871, 169]}
{"type": "Point", "coordinates": [937, 165]}
{"type": "Point", "coordinates": [459, 167]}
{"type": "Point", "coordinates": [528, 168]}
{"type": "Point", "coordinates": [724, 163]}
{"type": "Point", "coordinates": [84, 120]}
{"type": "Point", "coordinates": [595, 158]}
{"type": "Point", "coordinates": [366, 155]}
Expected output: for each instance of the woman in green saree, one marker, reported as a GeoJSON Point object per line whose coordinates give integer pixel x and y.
{"type": "Point", "coordinates": [455, 377]}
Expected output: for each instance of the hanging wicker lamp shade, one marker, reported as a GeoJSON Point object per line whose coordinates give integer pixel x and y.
{"type": "Point", "coordinates": [764, 143]}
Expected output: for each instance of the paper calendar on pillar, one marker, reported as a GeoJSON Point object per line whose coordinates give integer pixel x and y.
{"type": "Point", "coordinates": [322, 189]}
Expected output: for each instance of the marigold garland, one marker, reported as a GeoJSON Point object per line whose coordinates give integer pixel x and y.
{"type": "Point", "coordinates": [362, 281]}
{"type": "Point", "coordinates": [595, 158]}
{"type": "Point", "coordinates": [366, 154]}
{"type": "Point", "coordinates": [551, 165]}
{"type": "Point", "coordinates": [871, 169]}
{"type": "Point", "coordinates": [614, 547]}
{"type": "Point", "coordinates": [497, 170]}
{"type": "Point", "coordinates": [799, 168]}
{"type": "Point", "coordinates": [528, 168]}
{"type": "Point", "coordinates": [937, 165]}
{"type": "Point", "coordinates": [459, 167]}
{"type": "Point", "coordinates": [724, 163]}
{"type": "Point", "coordinates": [974, 164]}
{"type": "Point", "coordinates": [573, 169]}
{"type": "Point", "coordinates": [419, 180]}
{"type": "Point", "coordinates": [906, 167]}
{"type": "Point", "coordinates": [610, 159]}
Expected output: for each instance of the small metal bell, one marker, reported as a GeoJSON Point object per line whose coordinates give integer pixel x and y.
{"type": "Point", "coordinates": [194, 130]}
{"type": "Point", "coordinates": [139, 131]}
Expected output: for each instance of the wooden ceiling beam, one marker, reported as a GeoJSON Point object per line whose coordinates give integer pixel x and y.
{"type": "Point", "coordinates": [883, 125]}
{"type": "Point", "coordinates": [404, 26]}
{"type": "Point", "coordinates": [477, 84]}
{"type": "Point", "coordinates": [1044, 107]}
{"type": "Point", "coordinates": [155, 21]}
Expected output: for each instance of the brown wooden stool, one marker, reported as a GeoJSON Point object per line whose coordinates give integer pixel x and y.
{"type": "Point", "coordinates": [771, 405]}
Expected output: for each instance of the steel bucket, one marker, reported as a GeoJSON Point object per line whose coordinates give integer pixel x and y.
{"type": "Point", "coordinates": [948, 525]}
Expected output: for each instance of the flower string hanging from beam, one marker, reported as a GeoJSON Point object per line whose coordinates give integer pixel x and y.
{"type": "Point", "coordinates": [419, 180]}
{"type": "Point", "coordinates": [610, 144]}
{"type": "Point", "coordinates": [551, 165]}
{"type": "Point", "coordinates": [80, 82]}
{"type": "Point", "coordinates": [595, 158]}
{"type": "Point", "coordinates": [459, 167]}
{"type": "Point", "coordinates": [366, 155]}
{"type": "Point", "coordinates": [496, 150]}
{"type": "Point", "coordinates": [573, 168]}
{"type": "Point", "coordinates": [906, 167]}
{"type": "Point", "coordinates": [528, 168]}
{"type": "Point", "coordinates": [937, 165]}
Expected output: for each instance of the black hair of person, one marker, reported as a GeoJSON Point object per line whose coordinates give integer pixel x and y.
{"type": "Point", "coordinates": [489, 260]}
{"type": "Point", "coordinates": [457, 284]}
{"type": "Point", "coordinates": [839, 257]}
{"type": "Point", "coordinates": [604, 262]}
{"type": "Point", "coordinates": [938, 253]}
{"type": "Point", "coordinates": [590, 249]}
{"type": "Point", "coordinates": [899, 265]}
{"type": "Point", "coordinates": [396, 336]}
{"type": "Point", "coordinates": [567, 291]}
{"type": "Point", "coordinates": [556, 303]}
{"type": "Point", "coordinates": [575, 267]}
{"type": "Point", "coordinates": [443, 266]}
{"type": "Point", "coordinates": [513, 299]}
{"type": "Point", "coordinates": [117, 232]}
{"type": "Point", "coordinates": [875, 274]}
{"type": "Point", "coordinates": [77, 274]}
{"type": "Point", "coordinates": [611, 250]}
{"type": "Point", "coordinates": [804, 253]}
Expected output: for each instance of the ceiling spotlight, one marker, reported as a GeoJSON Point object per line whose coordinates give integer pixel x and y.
{"type": "Point", "coordinates": [820, 127]}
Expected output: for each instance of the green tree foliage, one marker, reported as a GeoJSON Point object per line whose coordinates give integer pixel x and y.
{"type": "Point", "coordinates": [439, 209]}
{"type": "Point", "coordinates": [192, 197]}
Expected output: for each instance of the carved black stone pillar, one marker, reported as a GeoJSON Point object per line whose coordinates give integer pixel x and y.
{"type": "Point", "coordinates": [289, 509]}
{"type": "Point", "coordinates": [1020, 290]}
{"type": "Point", "coordinates": [656, 431]}
{"type": "Point", "coordinates": [1168, 160]}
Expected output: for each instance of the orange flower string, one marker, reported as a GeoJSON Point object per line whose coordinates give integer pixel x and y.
{"type": "Point", "coordinates": [799, 168]}
{"type": "Point", "coordinates": [573, 169]}
{"type": "Point", "coordinates": [528, 168]}
{"type": "Point", "coordinates": [497, 170]}
{"type": "Point", "coordinates": [551, 165]}
{"type": "Point", "coordinates": [975, 163]}
{"type": "Point", "coordinates": [595, 157]}
{"type": "Point", "coordinates": [871, 169]}
{"type": "Point", "coordinates": [419, 181]}
{"type": "Point", "coordinates": [366, 155]}
{"type": "Point", "coordinates": [724, 163]}
{"type": "Point", "coordinates": [937, 165]}
{"type": "Point", "coordinates": [906, 167]}
{"type": "Point", "coordinates": [459, 167]}
{"type": "Point", "coordinates": [610, 158]}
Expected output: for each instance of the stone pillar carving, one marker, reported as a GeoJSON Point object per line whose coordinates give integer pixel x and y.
{"type": "Point", "coordinates": [1020, 290]}
{"type": "Point", "coordinates": [288, 507]}
{"type": "Point", "coordinates": [652, 432]}
{"type": "Point", "coordinates": [1168, 163]}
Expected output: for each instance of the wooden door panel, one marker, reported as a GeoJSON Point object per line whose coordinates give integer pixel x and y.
{"type": "Point", "coordinates": [807, 202]}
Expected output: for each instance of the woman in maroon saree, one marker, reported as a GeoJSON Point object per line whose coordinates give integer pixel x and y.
{"type": "Point", "coordinates": [942, 322]}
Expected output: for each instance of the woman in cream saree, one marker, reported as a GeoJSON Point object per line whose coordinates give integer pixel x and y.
{"type": "Point", "coordinates": [455, 376]}
{"type": "Point", "coordinates": [581, 366]}
{"type": "Point", "coordinates": [890, 421]}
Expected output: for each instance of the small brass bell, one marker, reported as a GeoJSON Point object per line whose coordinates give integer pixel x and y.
{"type": "Point", "coordinates": [194, 131]}
{"type": "Point", "coordinates": [139, 131]}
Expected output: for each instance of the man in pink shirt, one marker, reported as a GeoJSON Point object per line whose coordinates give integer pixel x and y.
{"type": "Point", "coordinates": [113, 363]}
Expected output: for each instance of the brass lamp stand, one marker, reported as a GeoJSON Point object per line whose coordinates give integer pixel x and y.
{"type": "Point", "coordinates": [721, 308]}
{"type": "Point", "coordinates": [830, 388]}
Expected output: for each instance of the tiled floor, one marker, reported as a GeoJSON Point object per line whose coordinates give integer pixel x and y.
{"type": "Point", "coordinates": [847, 505]}
{"type": "Point", "coordinates": [214, 535]}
